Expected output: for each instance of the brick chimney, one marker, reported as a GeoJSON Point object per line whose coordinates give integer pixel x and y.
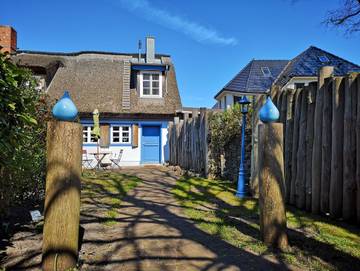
{"type": "Point", "coordinates": [8, 39]}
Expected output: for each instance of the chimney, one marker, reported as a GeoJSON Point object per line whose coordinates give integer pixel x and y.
{"type": "Point", "coordinates": [150, 49]}
{"type": "Point", "coordinates": [8, 39]}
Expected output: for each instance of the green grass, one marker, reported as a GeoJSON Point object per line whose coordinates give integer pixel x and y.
{"type": "Point", "coordinates": [316, 243]}
{"type": "Point", "coordinates": [105, 190]}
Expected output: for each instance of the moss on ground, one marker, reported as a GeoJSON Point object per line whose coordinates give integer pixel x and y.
{"type": "Point", "coordinates": [317, 243]}
{"type": "Point", "coordinates": [105, 190]}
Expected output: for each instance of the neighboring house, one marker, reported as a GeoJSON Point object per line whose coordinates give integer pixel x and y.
{"type": "Point", "coordinates": [255, 78]}
{"type": "Point", "coordinates": [260, 75]}
{"type": "Point", "coordinates": [135, 94]}
{"type": "Point", "coordinates": [304, 68]}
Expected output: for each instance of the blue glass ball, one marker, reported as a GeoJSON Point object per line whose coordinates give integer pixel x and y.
{"type": "Point", "coordinates": [268, 112]}
{"type": "Point", "coordinates": [65, 108]}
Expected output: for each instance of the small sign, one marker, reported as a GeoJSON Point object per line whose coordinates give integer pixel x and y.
{"type": "Point", "coordinates": [36, 215]}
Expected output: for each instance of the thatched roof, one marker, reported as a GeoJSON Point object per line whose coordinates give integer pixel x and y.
{"type": "Point", "coordinates": [95, 80]}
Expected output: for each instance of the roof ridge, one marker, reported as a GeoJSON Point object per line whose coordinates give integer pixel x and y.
{"type": "Point", "coordinates": [81, 53]}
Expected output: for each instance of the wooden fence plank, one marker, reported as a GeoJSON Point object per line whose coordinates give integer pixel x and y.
{"type": "Point", "coordinates": [336, 181]}
{"type": "Point", "coordinates": [326, 147]}
{"type": "Point", "coordinates": [288, 141]}
{"type": "Point", "coordinates": [311, 99]}
{"type": "Point", "coordinates": [349, 193]}
{"type": "Point", "coordinates": [358, 151]}
{"type": "Point", "coordinates": [295, 145]}
{"type": "Point", "coordinates": [324, 72]}
{"type": "Point", "coordinates": [301, 153]}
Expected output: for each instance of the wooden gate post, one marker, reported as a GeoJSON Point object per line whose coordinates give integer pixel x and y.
{"type": "Point", "coordinates": [62, 196]}
{"type": "Point", "coordinates": [272, 185]}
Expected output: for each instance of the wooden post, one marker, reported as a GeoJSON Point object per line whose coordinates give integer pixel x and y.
{"type": "Point", "coordinates": [358, 151]}
{"type": "Point", "coordinates": [349, 182]}
{"type": "Point", "coordinates": [336, 181]}
{"type": "Point", "coordinates": [326, 147]}
{"type": "Point", "coordinates": [271, 185]}
{"type": "Point", "coordinates": [289, 130]}
{"type": "Point", "coordinates": [309, 142]}
{"type": "Point", "coordinates": [301, 153]}
{"type": "Point", "coordinates": [324, 72]}
{"type": "Point", "coordinates": [62, 196]}
{"type": "Point", "coordinates": [295, 144]}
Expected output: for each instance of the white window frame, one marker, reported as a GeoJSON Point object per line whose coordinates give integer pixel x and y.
{"type": "Point", "coordinates": [88, 131]}
{"type": "Point", "coordinates": [120, 134]}
{"type": "Point", "coordinates": [141, 84]}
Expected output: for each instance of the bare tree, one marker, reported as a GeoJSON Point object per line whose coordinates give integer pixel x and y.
{"type": "Point", "coordinates": [346, 17]}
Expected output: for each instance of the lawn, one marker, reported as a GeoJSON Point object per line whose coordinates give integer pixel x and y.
{"type": "Point", "coordinates": [104, 190]}
{"type": "Point", "coordinates": [317, 243]}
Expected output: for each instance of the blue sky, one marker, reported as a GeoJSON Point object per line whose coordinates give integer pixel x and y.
{"type": "Point", "coordinates": [209, 41]}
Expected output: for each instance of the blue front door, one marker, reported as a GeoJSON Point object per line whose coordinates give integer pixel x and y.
{"type": "Point", "coordinates": [150, 145]}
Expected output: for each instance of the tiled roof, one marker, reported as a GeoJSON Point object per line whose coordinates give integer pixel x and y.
{"type": "Point", "coordinates": [251, 78]}
{"type": "Point", "coordinates": [308, 63]}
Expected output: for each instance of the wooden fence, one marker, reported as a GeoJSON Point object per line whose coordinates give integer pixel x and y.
{"type": "Point", "coordinates": [187, 141]}
{"type": "Point", "coordinates": [322, 145]}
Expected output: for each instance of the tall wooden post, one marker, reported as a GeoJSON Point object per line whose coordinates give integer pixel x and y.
{"type": "Point", "coordinates": [336, 181]}
{"type": "Point", "coordinates": [324, 72]}
{"type": "Point", "coordinates": [271, 185]}
{"type": "Point", "coordinates": [62, 196]}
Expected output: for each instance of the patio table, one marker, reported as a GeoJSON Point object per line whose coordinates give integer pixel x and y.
{"type": "Point", "coordinates": [99, 156]}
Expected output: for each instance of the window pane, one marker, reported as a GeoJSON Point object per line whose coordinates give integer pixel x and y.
{"type": "Point", "coordinates": [125, 139]}
{"type": "Point", "coordinates": [146, 76]}
{"type": "Point", "coordinates": [125, 134]}
{"type": "Point", "coordinates": [155, 84]}
{"type": "Point", "coordinates": [116, 139]}
{"type": "Point", "coordinates": [146, 91]}
{"type": "Point", "coordinates": [116, 134]}
{"type": "Point", "coordinates": [146, 84]}
{"type": "Point", "coordinates": [155, 77]}
{"type": "Point", "coordinates": [126, 128]}
{"type": "Point", "coordinates": [155, 91]}
{"type": "Point", "coordinates": [116, 128]}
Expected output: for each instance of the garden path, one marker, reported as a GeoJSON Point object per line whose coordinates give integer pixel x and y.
{"type": "Point", "coordinates": [152, 234]}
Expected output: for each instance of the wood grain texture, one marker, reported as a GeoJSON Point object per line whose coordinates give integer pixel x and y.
{"type": "Point", "coordinates": [349, 182]}
{"type": "Point", "coordinates": [326, 146]}
{"type": "Point", "coordinates": [311, 100]}
{"type": "Point", "coordinates": [62, 196]}
{"type": "Point", "coordinates": [336, 181]}
{"type": "Point", "coordinates": [271, 186]}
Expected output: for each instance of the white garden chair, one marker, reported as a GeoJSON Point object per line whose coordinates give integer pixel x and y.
{"type": "Point", "coordinates": [116, 160]}
{"type": "Point", "coordinates": [86, 161]}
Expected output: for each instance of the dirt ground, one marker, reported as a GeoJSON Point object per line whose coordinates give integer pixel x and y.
{"type": "Point", "coordinates": [149, 232]}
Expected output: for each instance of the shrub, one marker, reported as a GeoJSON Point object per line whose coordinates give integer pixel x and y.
{"type": "Point", "coordinates": [23, 111]}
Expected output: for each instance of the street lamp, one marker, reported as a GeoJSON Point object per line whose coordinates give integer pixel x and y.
{"type": "Point", "coordinates": [241, 188]}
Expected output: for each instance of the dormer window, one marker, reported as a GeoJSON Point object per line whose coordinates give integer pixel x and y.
{"type": "Point", "coordinates": [150, 84]}
{"type": "Point", "coordinates": [266, 71]}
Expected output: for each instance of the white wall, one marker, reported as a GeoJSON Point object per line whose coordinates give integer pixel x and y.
{"type": "Point", "coordinates": [132, 156]}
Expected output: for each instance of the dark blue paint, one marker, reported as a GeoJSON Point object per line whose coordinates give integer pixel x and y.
{"type": "Point", "coordinates": [148, 67]}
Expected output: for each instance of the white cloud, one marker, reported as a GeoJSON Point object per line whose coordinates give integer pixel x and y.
{"type": "Point", "coordinates": [192, 29]}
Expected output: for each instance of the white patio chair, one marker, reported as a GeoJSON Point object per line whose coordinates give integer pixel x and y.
{"type": "Point", "coordinates": [86, 161]}
{"type": "Point", "coordinates": [116, 160]}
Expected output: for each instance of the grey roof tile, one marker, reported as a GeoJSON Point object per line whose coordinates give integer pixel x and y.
{"type": "Point", "coordinates": [251, 79]}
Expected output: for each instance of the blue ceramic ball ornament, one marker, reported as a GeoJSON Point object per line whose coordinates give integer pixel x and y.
{"type": "Point", "coordinates": [268, 112]}
{"type": "Point", "coordinates": [65, 108]}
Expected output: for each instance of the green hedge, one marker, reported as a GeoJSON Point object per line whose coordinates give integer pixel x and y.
{"type": "Point", "coordinates": [23, 113]}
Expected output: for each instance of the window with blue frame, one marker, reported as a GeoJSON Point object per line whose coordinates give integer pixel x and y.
{"type": "Point", "coordinates": [88, 138]}
{"type": "Point", "coordinates": [120, 134]}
